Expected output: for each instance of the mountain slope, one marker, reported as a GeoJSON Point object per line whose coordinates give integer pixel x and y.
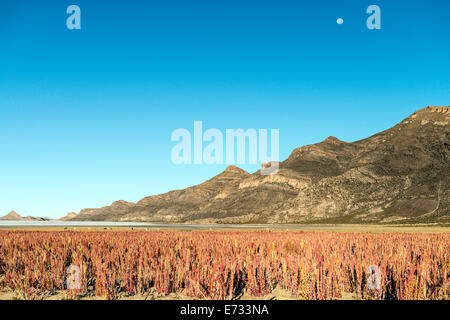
{"type": "Point", "coordinates": [398, 175]}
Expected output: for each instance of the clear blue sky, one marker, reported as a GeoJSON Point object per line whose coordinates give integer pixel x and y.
{"type": "Point", "coordinates": [86, 115]}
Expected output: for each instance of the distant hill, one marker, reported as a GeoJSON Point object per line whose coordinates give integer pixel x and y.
{"type": "Point", "coordinates": [69, 216]}
{"type": "Point", "coordinates": [14, 216]}
{"type": "Point", "coordinates": [400, 175]}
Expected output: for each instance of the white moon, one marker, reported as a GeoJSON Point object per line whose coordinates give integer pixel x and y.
{"type": "Point", "coordinates": [340, 21]}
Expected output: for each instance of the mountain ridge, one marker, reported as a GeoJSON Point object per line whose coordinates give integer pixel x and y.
{"type": "Point", "coordinates": [14, 216]}
{"type": "Point", "coordinates": [397, 175]}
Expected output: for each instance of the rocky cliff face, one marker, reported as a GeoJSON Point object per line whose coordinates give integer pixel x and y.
{"type": "Point", "coordinates": [398, 175]}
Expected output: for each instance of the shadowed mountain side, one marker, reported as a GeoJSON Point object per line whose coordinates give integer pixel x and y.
{"type": "Point", "coordinates": [398, 175]}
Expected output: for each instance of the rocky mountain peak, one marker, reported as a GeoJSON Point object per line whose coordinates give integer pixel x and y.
{"type": "Point", "coordinates": [69, 216]}
{"type": "Point", "coordinates": [441, 109]}
{"type": "Point", "coordinates": [122, 203]}
{"type": "Point", "coordinates": [333, 140]}
{"type": "Point", "coordinates": [12, 216]}
{"type": "Point", "coordinates": [431, 113]}
{"type": "Point", "coordinates": [233, 168]}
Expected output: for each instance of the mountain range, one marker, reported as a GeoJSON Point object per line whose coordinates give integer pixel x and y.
{"type": "Point", "coordinates": [400, 175]}
{"type": "Point", "coordinates": [14, 216]}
